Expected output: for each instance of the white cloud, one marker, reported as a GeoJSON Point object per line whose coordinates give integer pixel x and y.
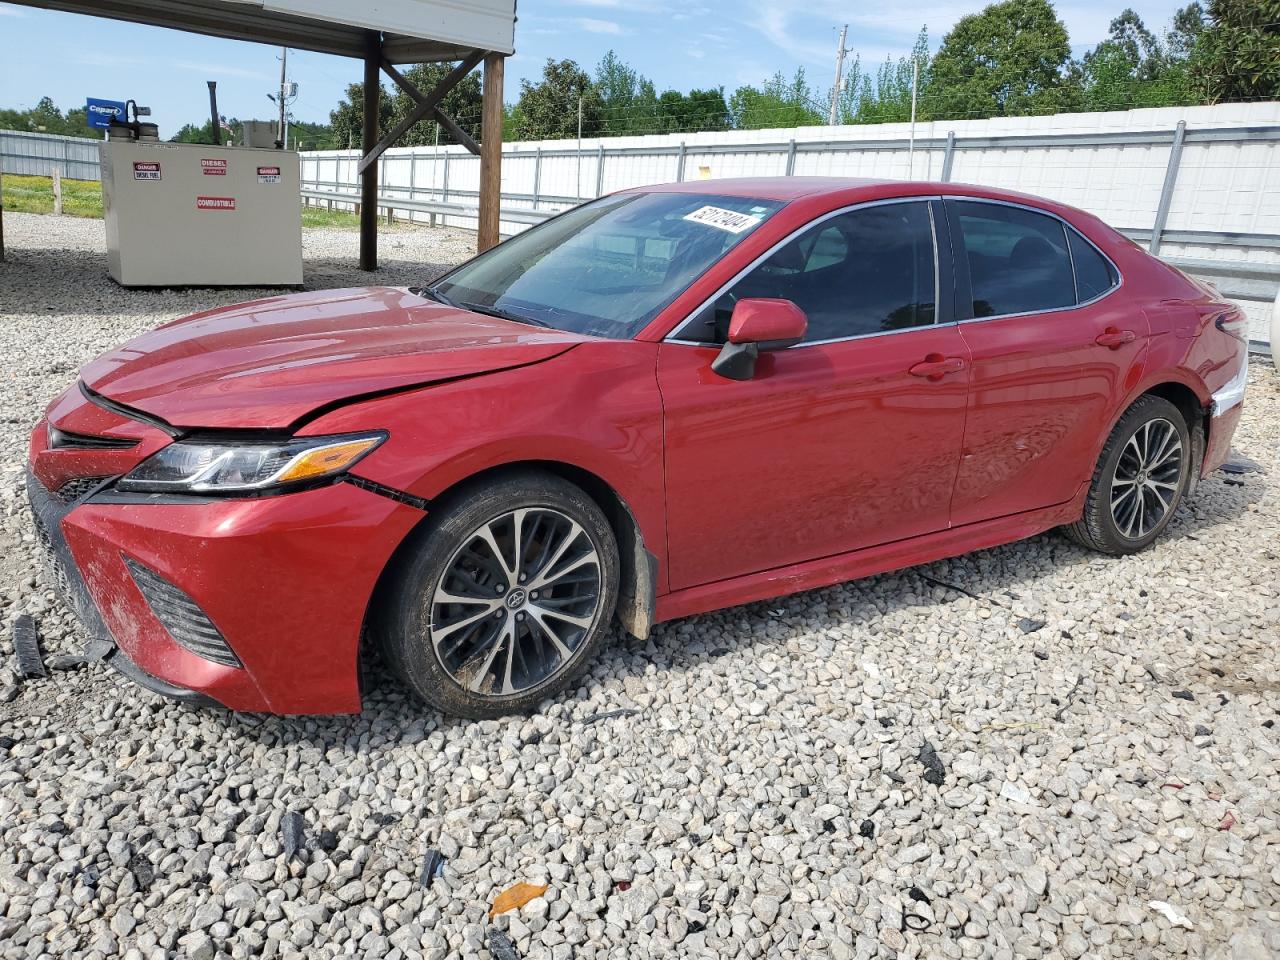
{"type": "Point", "coordinates": [598, 26]}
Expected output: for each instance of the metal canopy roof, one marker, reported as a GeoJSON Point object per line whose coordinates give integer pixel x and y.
{"type": "Point", "coordinates": [415, 31]}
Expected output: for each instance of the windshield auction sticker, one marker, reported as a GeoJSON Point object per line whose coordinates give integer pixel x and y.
{"type": "Point", "coordinates": [728, 220]}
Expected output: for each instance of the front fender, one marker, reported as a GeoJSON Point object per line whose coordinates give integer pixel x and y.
{"type": "Point", "coordinates": [595, 408]}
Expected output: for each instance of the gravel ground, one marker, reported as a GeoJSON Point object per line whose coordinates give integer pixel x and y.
{"type": "Point", "coordinates": [1030, 751]}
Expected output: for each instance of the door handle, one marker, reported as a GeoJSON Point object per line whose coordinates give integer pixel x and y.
{"type": "Point", "coordinates": [935, 366]}
{"type": "Point", "coordinates": [1115, 339]}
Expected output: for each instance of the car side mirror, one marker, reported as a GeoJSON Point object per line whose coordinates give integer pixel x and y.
{"type": "Point", "coordinates": [758, 323]}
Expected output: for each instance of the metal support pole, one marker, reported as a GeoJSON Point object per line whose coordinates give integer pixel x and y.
{"type": "Point", "coordinates": [680, 164]}
{"type": "Point", "coordinates": [600, 170]}
{"type": "Point", "coordinates": [1166, 191]}
{"type": "Point", "coordinates": [489, 220]}
{"type": "Point", "coordinates": [791, 158]}
{"type": "Point", "coordinates": [369, 139]}
{"type": "Point", "coordinates": [537, 177]}
{"type": "Point", "coordinates": [216, 124]}
{"type": "Point", "coordinates": [949, 156]}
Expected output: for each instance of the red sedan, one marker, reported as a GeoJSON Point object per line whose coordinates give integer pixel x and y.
{"type": "Point", "coordinates": [666, 401]}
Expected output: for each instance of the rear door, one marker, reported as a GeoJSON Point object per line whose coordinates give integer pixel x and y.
{"type": "Point", "coordinates": [1052, 338]}
{"type": "Point", "coordinates": [848, 440]}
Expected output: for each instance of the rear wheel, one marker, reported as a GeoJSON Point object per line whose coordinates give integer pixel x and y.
{"type": "Point", "coordinates": [1139, 480]}
{"type": "Point", "coordinates": [504, 597]}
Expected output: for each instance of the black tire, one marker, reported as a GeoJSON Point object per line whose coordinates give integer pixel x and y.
{"type": "Point", "coordinates": [452, 542]}
{"type": "Point", "coordinates": [1099, 529]}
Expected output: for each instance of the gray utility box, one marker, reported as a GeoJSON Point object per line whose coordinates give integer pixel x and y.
{"type": "Point", "coordinates": [190, 215]}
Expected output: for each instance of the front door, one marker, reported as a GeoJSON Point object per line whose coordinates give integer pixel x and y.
{"type": "Point", "coordinates": [847, 440]}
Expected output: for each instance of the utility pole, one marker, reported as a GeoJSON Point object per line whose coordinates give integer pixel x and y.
{"type": "Point", "coordinates": [911, 149]}
{"type": "Point", "coordinates": [578, 191]}
{"type": "Point", "coordinates": [284, 67]}
{"type": "Point", "coordinates": [835, 90]}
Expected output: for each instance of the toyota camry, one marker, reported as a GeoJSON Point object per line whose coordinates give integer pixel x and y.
{"type": "Point", "coordinates": [666, 401]}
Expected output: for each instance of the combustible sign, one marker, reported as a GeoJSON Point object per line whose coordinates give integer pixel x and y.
{"type": "Point", "coordinates": [215, 203]}
{"type": "Point", "coordinates": [146, 170]}
{"type": "Point", "coordinates": [268, 174]}
{"type": "Point", "coordinates": [214, 168]}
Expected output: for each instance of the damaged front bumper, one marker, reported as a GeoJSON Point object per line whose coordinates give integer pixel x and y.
{"type": "Point", "coordinates": [257, 605]}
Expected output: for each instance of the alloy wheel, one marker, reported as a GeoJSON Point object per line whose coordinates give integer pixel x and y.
{"type": "Point", "coordinates": [1147, 478]}
{"type": "Point", "coordinates": [516, 601]}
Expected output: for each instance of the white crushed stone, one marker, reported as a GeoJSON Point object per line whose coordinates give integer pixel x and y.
{"type": "Point", "coordinates": [766, 799]}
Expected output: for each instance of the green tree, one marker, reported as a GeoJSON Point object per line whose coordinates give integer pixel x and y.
{"type": "Point", "coordinates": [548, 110]}
{"type": "Point", "coordinates": [887, 97]}
{"type": "Point", "coordinates": [779, 103]}
{"type": "Point", "coordinates": [1008, 60]}
{"type": "Point", "coordinates": [628, 101]}
{"type": "Point", "coordinates": [1133, 68]}
{"type": "Point", "coordinates": [347, 119]}
{"type": "Point", "coordinates": [1237, 57]}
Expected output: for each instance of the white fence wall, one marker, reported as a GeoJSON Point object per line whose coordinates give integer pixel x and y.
{"type": "Point", "coordinates": [1205, 179]}
{"type": "Point", "coordinates": [1201, 185]}
{"type": "Point", "coordinates": [39, 154]}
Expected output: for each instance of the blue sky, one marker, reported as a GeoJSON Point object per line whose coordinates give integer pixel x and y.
{"type": "Point", "coordinates": [677, 43]}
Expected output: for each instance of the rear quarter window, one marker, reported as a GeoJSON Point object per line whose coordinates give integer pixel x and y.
{"type": "Point", "coordinates": [1094, 273]}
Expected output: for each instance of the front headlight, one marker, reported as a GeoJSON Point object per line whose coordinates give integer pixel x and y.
{"type": "Point", "coordinates": [193, 466]}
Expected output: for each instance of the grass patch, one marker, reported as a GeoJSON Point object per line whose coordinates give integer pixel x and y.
{"type": "Point", "coordinates": [80, 198]}
{"type": "Point", "coordinates": [83, 198]}
{"type": "Point", "coordinates": [332, 219]}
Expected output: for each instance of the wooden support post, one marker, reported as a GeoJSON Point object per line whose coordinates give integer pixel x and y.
{"type": "Point", "coordinates": [369, 139]}
{"type": "Point", "coordinates": [490, 154]}
{"type": "Point", "coordinates": [57, 192]}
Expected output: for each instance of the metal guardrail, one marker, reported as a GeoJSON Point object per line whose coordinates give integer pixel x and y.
{"type": "Point", "coordinates": [434, 208]}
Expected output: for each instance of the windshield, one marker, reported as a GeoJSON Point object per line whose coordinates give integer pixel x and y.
{"type": "Point", "coordinates": [609, 267]}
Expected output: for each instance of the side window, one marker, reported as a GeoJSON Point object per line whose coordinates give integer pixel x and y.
{"type": "Point", "coordinates": [1018, 259]}
{"type": "Point", "coordinates": [866, 271]}
{"type": "Point", "coordinates": [1094, 273]}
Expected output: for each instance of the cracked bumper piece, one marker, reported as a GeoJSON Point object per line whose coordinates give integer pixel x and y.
{"type": "Point", "coordinates": [254, 604]}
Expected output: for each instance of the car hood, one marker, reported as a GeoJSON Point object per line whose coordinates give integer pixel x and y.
{"type": "Point", "coordinates": [269, 363]}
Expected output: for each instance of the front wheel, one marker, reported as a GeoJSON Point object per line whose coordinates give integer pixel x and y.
{"type": "Point", "coordinates": [1139, 480]}
{"type": "Point", "coordinates": [504, 596]}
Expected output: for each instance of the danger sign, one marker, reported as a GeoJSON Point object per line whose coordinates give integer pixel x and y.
{"type": "Point", "coordinates": [268, 174]}
{"type": "Point", "coordinates": [146, 171]}
{"type": "Point", "coordinates": [215, 203]}
{"type": "Point", "coordinates": [214, 168]}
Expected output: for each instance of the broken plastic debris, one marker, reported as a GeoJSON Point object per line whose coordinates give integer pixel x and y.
{"type": "Point", "coordinates": [1184, 695]}
{"type": "Point", "coordinates": [1015, 793]}
{"type": "Point", "coordinates": [500, 946]}
{"type": "Point", "coordinates": [143, 873]}
{"type": "Point", "coordinates": [610, 714]}
{"type": "Point", "coordinates": [432, 867]}
{"type": "Point", "coordinates": [1171, 914]}
{"type": "Point", "coordinates": [1028, 625]}
{"type": "Point", "coordinates": [26, 649]}
{"type": "Point", "coordinates": [293, 832]}
{"type": "Point", "coordinates": [513, 898]}
{"type": "Point", "coordinates": [934, 771]}
{"type": "Point", "coordinates": [95, 649]}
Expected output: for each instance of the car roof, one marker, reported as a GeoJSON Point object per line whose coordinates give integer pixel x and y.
{"type": "Point", "coordinates": [843, 189]}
